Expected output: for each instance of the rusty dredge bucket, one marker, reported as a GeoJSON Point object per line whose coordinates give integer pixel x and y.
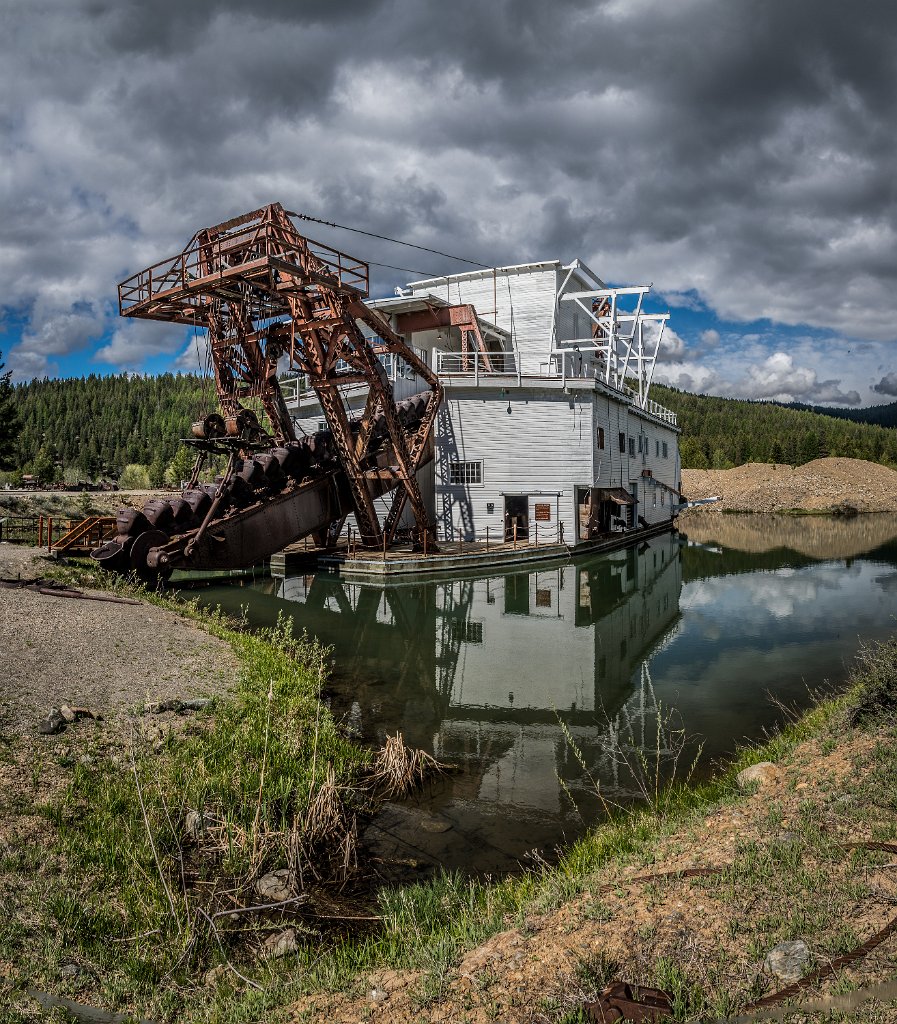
{"type": "Point", "coordinates": [262, 503]}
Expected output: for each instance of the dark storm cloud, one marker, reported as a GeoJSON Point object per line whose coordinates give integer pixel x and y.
{"type": "Point", "coordinates": [739, 152]}
{"type": "Point", "coordinates": [887, 385]}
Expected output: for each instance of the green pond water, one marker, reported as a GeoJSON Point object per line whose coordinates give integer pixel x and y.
{"type": "Point", "coordinates": [542, 686]}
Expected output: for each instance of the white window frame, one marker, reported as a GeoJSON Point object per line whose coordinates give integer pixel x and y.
{"type": "Point", "coordinates": [462, 474]}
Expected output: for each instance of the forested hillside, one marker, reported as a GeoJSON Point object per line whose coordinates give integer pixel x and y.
{"type": "Point", "coordinates": [718, 433]}
{"type": "Point", "coordinates": [98, 426]}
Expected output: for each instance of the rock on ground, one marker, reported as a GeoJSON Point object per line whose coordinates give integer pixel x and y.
{"type": "Point", "coordinates": [761, 773]}
{"type": "Point", "coordinates": [788, 961]}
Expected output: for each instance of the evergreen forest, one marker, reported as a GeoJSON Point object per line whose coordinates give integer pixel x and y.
{"type": "Point", "coordinates": [718, 433]}
{"type": "Point", "coordinates": [96, 427]}
{"type": "Point", "coordinates": [103, 427]}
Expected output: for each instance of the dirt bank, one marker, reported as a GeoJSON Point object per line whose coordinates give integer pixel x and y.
{"type": "Point", "coordinates": [817, 486]}
{"type": "Point", "coordinates": [702, 938]}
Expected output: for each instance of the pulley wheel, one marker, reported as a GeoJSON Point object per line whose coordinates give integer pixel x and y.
{"type": "Point", "coordinates": [141, 548]}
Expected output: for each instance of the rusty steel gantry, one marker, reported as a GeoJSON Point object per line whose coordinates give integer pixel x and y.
{"type": "Point", "coordinates": [262, 290]}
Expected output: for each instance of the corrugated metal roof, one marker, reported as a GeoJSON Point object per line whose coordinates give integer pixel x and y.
{"type": "Point", "coordinates": [617, 495]}
{"type": "Point", "coordinates": [471, 275]}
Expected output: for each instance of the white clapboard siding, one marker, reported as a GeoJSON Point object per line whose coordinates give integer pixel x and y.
{"type": "Point", "coordinates": [543, 445]}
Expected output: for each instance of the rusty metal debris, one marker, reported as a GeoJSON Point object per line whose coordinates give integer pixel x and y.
{"type": "Point", "coordinates": [622, 1001]}
{"type": "Point", "coordinates": [266, 293]}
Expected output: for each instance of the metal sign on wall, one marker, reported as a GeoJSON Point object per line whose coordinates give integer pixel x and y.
{"type": "Point", "coordinates": [543, 513]}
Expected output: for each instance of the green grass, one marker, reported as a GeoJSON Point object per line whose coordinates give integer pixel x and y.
{"type": "Point", "coordinates": [252, 766]}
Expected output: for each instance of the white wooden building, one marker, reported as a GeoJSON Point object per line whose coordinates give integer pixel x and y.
{"type": "Point", "coordinates": [547, 427]}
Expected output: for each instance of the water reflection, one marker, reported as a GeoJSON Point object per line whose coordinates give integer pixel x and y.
{"type": "Point", "coordinates": [818, 537]}
{"type": "Point", "coordinates": [544, 684]}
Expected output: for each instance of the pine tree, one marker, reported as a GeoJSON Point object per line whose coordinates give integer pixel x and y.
{"type": "Point", "coordinates": [10, 423]}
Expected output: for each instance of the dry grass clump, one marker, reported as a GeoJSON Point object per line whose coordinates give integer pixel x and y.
{"type": "Point", "coordinates": [398, 769]}
{"type": "Point", "coordinates": [324, 839]}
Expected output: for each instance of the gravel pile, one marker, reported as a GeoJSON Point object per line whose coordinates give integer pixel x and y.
{"type": "Point", "coordinates": [821, 485]}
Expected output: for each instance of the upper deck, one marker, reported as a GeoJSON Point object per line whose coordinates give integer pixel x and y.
{"type": "Point", "coordinates": [543, 326]}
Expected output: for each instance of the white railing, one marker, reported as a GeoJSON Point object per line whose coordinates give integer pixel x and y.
{"type": "Point", "coordinates": [655, 409]}
{"type": "Point", "coordinates": [476, 364]}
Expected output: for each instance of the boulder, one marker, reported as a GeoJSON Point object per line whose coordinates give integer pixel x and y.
{"type": "Point", "coordinates": [51, 725]}
{"type": "Point", "coordinates": [275, 886]}
{"type": "Point", "coordinates": [195, 825]}
{"type": "Point", "coordinates": [787, 961]}
{"type": "Point", "coordinates": [760, 773]}
{"type": "Point", "coordinates": [281, 943]}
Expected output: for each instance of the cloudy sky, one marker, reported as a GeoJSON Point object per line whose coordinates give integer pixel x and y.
{"type": "Point", "coordinates": [740, 155]}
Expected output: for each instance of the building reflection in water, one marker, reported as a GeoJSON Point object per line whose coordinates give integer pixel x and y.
{"type": "Point", "coordinates": [536, 683]}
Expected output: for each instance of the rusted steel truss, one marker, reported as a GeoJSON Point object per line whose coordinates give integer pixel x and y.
{"type": "Point", "coordinates": [264, 291]}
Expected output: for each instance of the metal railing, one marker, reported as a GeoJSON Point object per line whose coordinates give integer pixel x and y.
{"type": "Point", "coordinates": [239, 250]}
{"type": "Point", "coordinates": [476, 364]}
{"type": "Point", "coordinates": [35, 530]}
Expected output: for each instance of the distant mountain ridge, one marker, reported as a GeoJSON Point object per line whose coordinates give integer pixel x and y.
{"type": "Point", "coordinates": [879, 415]}
{"type": "Point", "coordinates": [96, 425]}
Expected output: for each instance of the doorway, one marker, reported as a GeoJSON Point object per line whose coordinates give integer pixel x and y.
{"type": "Point", "coordinates": [516, 514]}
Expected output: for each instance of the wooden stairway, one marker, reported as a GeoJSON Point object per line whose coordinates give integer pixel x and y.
{"type": "Point", "coordinates": [83, 537]}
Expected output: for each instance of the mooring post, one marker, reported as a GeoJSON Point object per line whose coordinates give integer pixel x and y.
{"type": "Point", "coordinates": [515, 534]}
{"type": "Point", "coordinates": [49, 532]}
{"type": "Point", "coordinates": [537, 533]}
{"type": "Point", "coordinates": [487, 538]}
{"type": "Point", "coordinates": [40, 531]}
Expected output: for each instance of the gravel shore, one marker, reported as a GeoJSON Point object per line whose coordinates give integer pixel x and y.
{"type": "Point", "coordinates": [107, 657]}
